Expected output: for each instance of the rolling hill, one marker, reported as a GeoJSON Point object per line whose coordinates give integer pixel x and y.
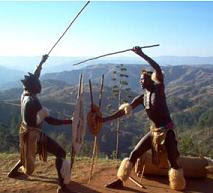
{"type": "Point", "coordinates": [189, 92]}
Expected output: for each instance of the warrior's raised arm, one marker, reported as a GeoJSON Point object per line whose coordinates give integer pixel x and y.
{"type": "Point", "coordinates": [158, 72]}
{"type": "Point", "coordinates": [37, 71]}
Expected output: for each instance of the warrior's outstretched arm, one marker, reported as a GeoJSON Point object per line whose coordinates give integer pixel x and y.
{"type": "Point", "coordinates": [135, 102]}
{"type": "Point", "coordinates": [115, 115]}
{"type": "Point", "coordinates": [154, 64]}
{"type": "Point", "coordinates": [54, 121]}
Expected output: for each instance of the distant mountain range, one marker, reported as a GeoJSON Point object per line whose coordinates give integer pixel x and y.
{"type": "Point", "coordinates": [58, 64]}
{"type": "Point", "coordinates": [9, 78]}
{"type": "Point", "coordinates": [174, 75]}
{"type": "Point", "coordinates": [12, 69]}
{"type": "Point", "coordinates": [183, 81]}
{"type": "Point", "coordinates": [189, 91]}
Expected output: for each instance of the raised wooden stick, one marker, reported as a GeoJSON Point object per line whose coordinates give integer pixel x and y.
{"type": "Point", "coordinates": [113, 54]}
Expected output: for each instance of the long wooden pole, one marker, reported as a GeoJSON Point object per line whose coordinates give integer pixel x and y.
{"type": "Point", "coordinates": [95, 145]}
{"type": "Point", "coordinates": [45, 57]}
{"type": "Point", "coordinates": [68, 27]}
{"type": "Point", "coordinates": [101, 56]}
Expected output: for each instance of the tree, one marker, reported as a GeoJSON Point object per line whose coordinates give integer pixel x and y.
{"type": "Point", "coordinates": [120, 92]}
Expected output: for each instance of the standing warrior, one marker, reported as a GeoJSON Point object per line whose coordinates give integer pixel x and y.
{"type": "Point", "coordinates": [32, 140]}
{"type": "Point", "coordinates": [161, 137]}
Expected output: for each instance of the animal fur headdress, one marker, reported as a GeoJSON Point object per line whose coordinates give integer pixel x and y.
{"type": "Point", "coordinates": [30, 81]}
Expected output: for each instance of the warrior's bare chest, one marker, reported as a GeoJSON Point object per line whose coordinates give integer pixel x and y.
{"type": "Point", "coordinates": [150, 99]}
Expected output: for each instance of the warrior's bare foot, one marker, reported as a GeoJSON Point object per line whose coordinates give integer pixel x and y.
{"type": "Point", "coordinates": [117, 184]}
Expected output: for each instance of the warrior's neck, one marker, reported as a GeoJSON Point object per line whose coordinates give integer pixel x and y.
{"type": "Point", "coordinates": [27, 93]}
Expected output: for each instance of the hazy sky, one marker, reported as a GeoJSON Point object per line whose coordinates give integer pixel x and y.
{"type": "Point", "coordinates": [30, 28]}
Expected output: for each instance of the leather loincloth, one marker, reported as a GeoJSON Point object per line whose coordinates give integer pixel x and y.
{"type": "Point", "coordinates": [32, 141]}
{"type": "Point", "coordinates": [159, 153]}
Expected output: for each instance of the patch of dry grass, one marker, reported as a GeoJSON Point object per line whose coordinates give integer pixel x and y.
{"type": "Point", "coordinates": [45, 172]}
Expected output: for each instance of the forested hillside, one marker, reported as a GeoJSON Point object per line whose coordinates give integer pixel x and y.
{"type": "Point", "coordinates": [189, 92]}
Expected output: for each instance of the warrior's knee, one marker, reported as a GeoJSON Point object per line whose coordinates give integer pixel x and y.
{"type": "Point", "coordinates": [61, 154]}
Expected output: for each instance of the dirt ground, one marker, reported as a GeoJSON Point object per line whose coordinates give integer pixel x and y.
{"type": "Point", "coordinates": [44, 179]}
